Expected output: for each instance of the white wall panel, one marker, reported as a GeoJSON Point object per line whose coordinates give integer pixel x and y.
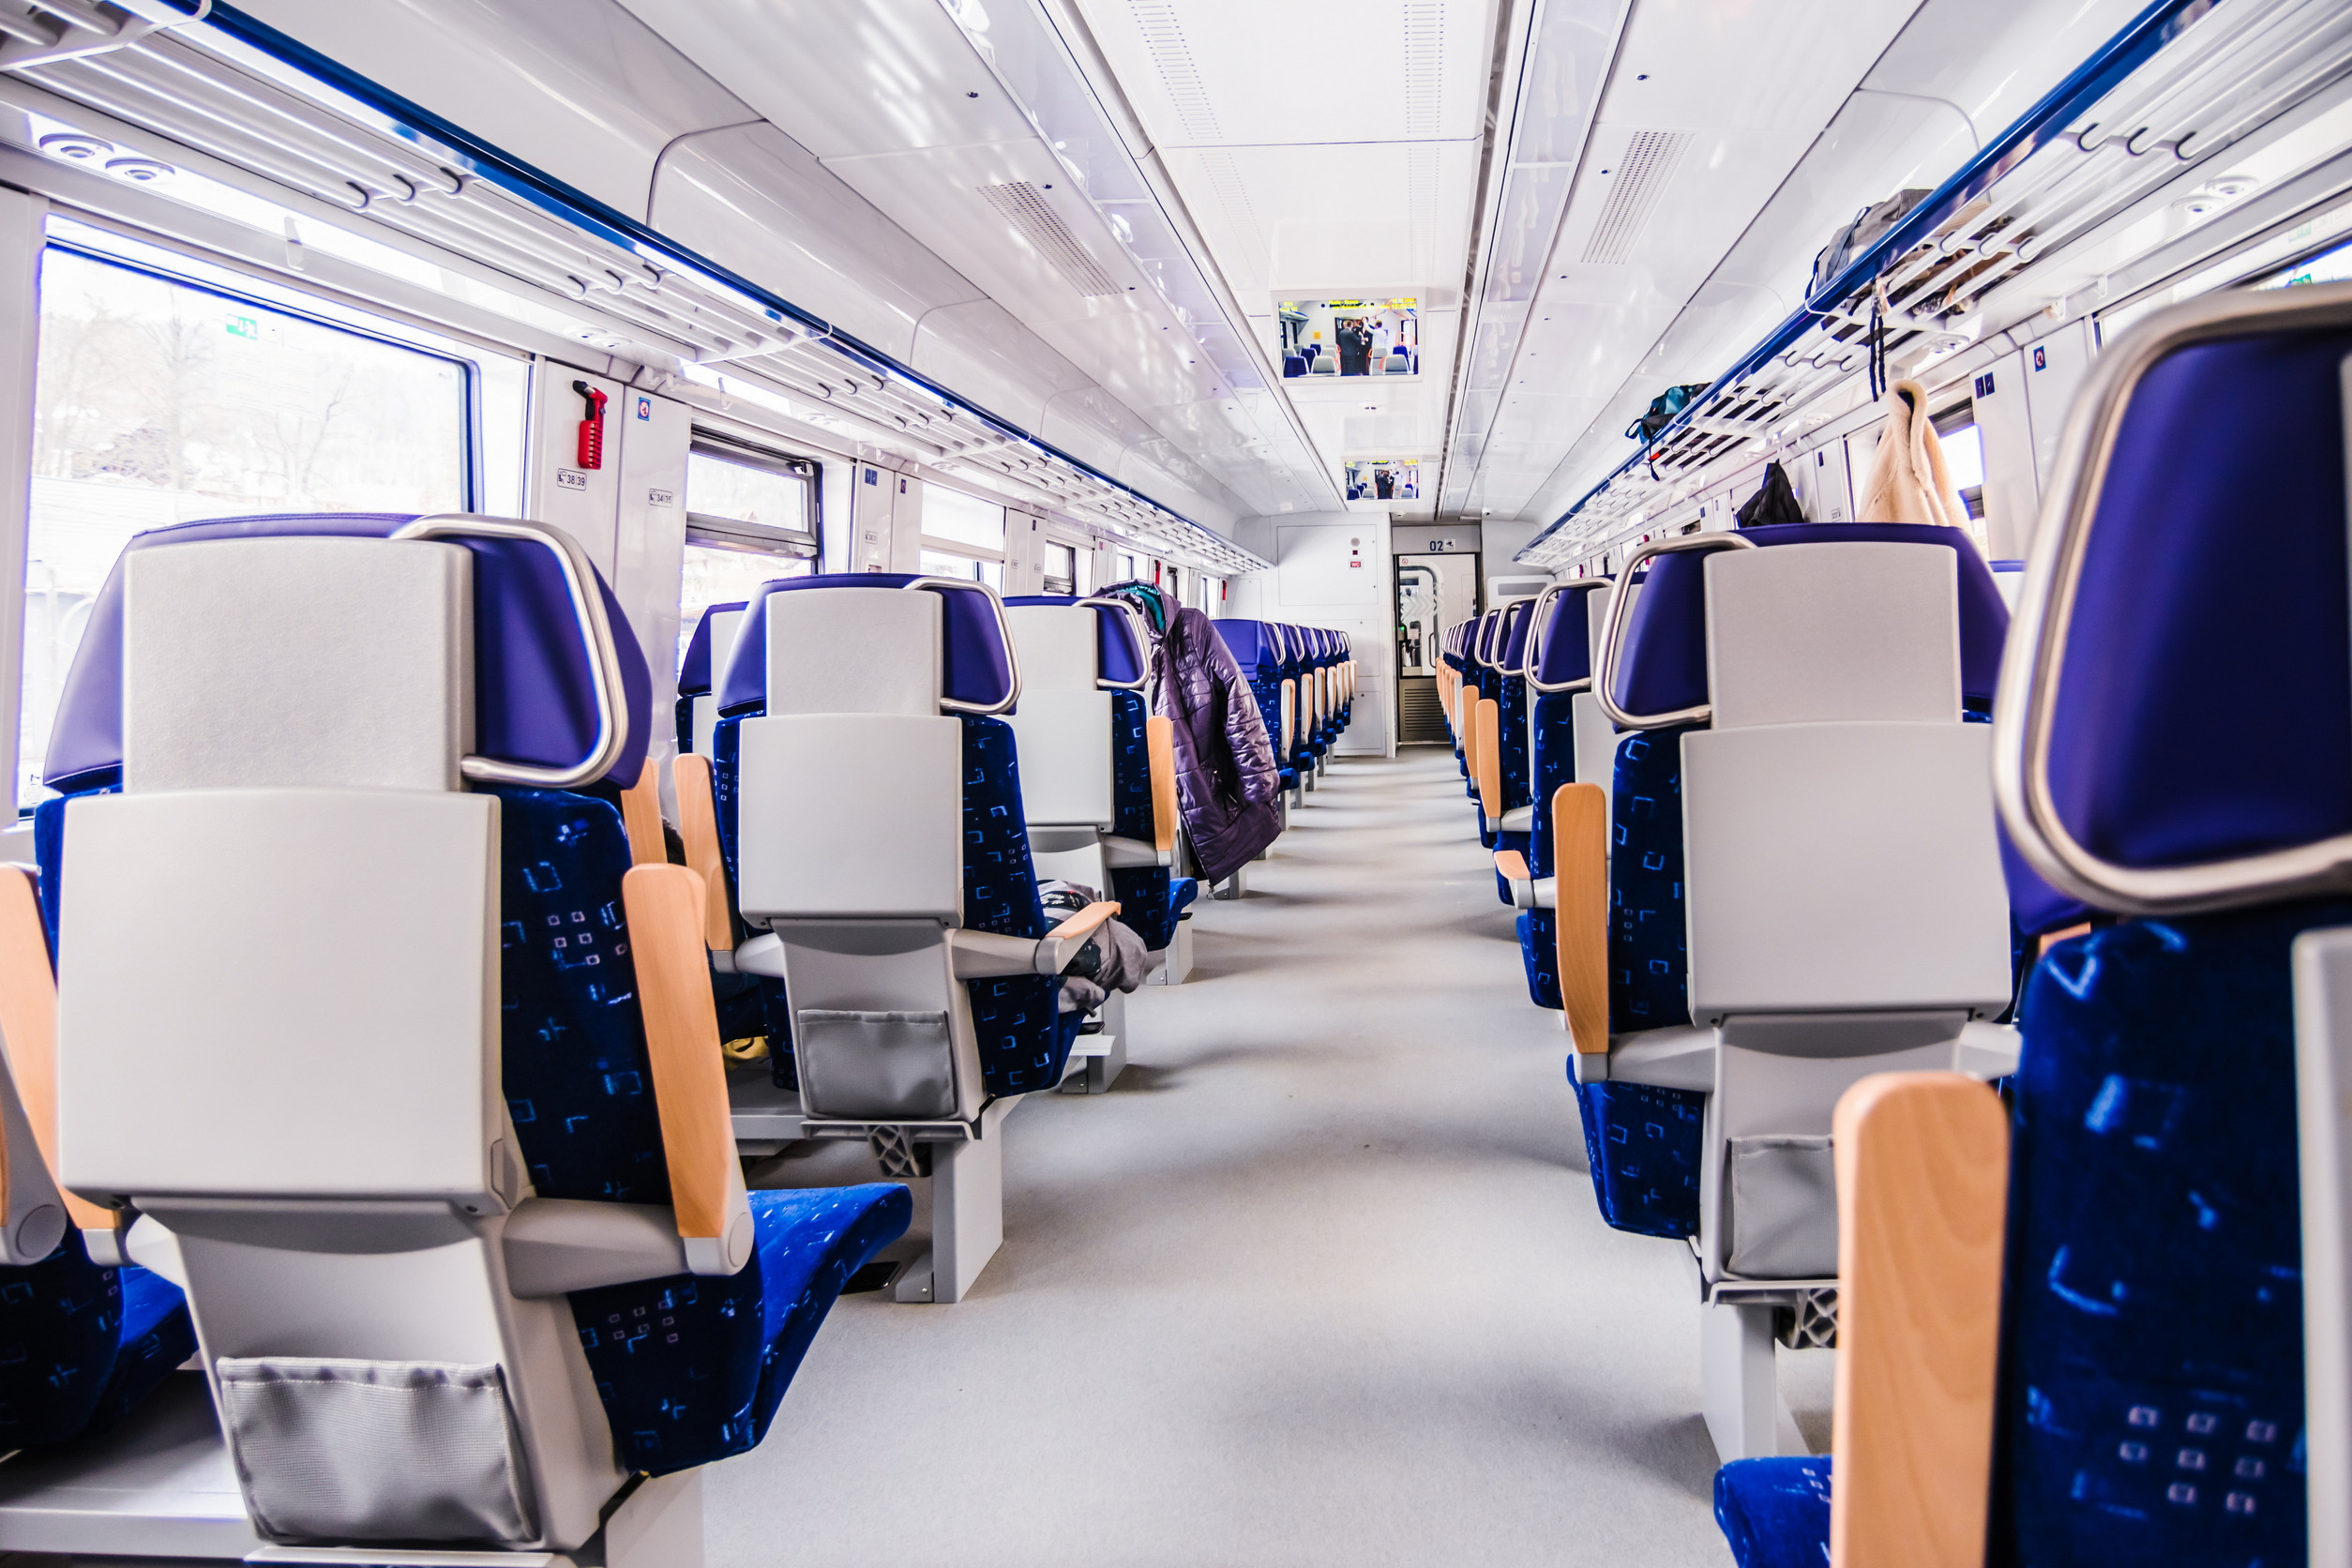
{"type": "Point", "coordinates": [754, 200]}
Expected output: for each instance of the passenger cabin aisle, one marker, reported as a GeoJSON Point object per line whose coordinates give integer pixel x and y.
{"type": "Point", "coordinates": [1319, 1281]}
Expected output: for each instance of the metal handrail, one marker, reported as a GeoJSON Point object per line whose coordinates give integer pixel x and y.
{"type": "Point", "coordinates": [596, 629]}
{"type": "Point", "coordinates": [1535, 635]}
{"type": "Point", "coordinates": [1137, 639]}
{"type": "Point", "coordinates": [1004, 629]}
{"type": "Point", "coordinates": [1502, 639]}
{"type": "Point", "coordinates": [2033, 661]}
{"type": "Point", "coordinates": [1613, 634]}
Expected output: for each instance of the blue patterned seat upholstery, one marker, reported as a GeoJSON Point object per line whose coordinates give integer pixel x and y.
{"type": "Point", "coordinates": [81, 1346]}
{"type": "Point", "coordinates": [689, 1369]}
{"type": "Point", "coordinates": [1665, 668]}
{"type": "Point", "coordinates": [2151, 1396]}
{"type": "Point", "coordinates": [2150, 1402]}
{"type": "Point", "coordinates": [1644, 1146]}
{"type": "Point", "coordinates": [1024, 1039]}
{"type": "Point", "coordinates": [1151, 898]}
{"type": "Point", "coordinates": [1775, 1513]}
{"type": "Point", "coordinates": [1551, 762]}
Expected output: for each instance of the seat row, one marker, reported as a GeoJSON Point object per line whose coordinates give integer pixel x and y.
{"type": "Point", "coordinates": [415, 1130]}
{"type": "Point", "coordinates": [1305, 681]}
{"type": "Point", "coordinates": [2021, 1105]}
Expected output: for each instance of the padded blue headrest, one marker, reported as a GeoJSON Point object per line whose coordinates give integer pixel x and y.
{"type": "Point", "coordinates": [1483, 653]}
{"type": "Point", "coordinates": [694, 673]}
{"type": "Point", "coordinates": [533, 697]}
{"type": "Point", "coordinates": [1252, 645]}
{"type": "Point", "coordinates": [2204, 709]}
{"type": "Point", "coordinates": [1115, 657]}
{"type": "Point", "coordinates": [1511, 642]}
{"type": "Point", "coordinates": [1567, 648]}
{"type": "Point", "coordinates": [1664, 665]}
{"type": "Point", "coordinates": [975, 665]}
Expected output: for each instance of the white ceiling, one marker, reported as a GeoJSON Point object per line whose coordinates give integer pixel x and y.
{"type": "Point", "coordinates": [1796, 118]}
{"type": "Point", "coordinates": [1324, 148]}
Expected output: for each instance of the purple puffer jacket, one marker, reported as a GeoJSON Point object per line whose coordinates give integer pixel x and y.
{"type": "Point", "coordinates": [1226, 780]}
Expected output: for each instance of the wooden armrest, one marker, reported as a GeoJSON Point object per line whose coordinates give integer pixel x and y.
{"type": "Point", "coordinates": [665, 905]}
{"type": "Point", "coordinates": [1511, 866]}
{"type": "Point", "coordinates": [1580, 920]}
{"type": "Point", "coordinates": [1159, 745]}
{"type": "Point", "coordinates": [1922, 1177]}
{"type": "Point", "coordinates": [28, 1025]}
{"type": "Point", "coordinates": [1489, 764]}
{"type": "Point", "coordinates": [1084, 921]}
{"type": "Point", "coordinates": [2056, 937]}
{"type": "Point", "coordinates": [640, 813]}
{"type": "Point", "coordinates": [697, 826]}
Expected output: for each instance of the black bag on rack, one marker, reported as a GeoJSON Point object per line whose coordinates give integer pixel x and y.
{"type": "Point", "coordinates": [1662, 410]}
{"type": "Point", "coordinates": [1773, 501]}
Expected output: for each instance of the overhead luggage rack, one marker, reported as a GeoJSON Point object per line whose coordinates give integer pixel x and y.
{"type": "Point", "coordinates": [225, 101]}
{"type": "Point", "coordinates": [2038, 228]}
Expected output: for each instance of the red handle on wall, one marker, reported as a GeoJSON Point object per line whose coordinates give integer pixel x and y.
{"type": "Point", "coordinates": [592, 427]}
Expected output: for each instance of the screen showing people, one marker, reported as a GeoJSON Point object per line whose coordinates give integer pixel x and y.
{"type": "Point", "coordinates": [1351, 338]}
{"type": "Point", "coordinates": [1383, 480]}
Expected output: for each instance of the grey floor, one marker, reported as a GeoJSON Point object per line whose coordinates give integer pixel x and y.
{"type": "Point", "coordinates": [1319, 1281]}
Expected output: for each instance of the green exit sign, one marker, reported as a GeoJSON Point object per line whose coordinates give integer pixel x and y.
{"type": "Point", "coordinates": [246, 326]}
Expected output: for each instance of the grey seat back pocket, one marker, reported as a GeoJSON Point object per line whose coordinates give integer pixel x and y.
{"type": "Point", "coordinates": [376, 1451]}
{"type": "Point", "coordinates": [1783, 1201]}
{"type": "Point", "coordinates": [875, 1067]}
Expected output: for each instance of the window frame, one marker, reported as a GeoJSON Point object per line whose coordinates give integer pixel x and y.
{"type": "Point", "coordinates": [470, 372]}
{"type": "Point", "coordinates": [714, 532]}
{"type": "Point", "coordinates": [936, 544]}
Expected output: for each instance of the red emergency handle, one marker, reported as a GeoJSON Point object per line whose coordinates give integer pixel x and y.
{"type": "Point", "coordinates": [592, 427]}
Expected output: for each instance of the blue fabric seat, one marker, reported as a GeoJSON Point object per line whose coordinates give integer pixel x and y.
{"type": "Point", "coordinates": [82, 1346]}
{"type": "Point", "coordinates": [695, 675]}
{"type": "Point", "coordinates": [1024, 1037]}
{"type": "Point", "coordinates": [1151, 898]}
{"type": "Point", "coordinates": [691, 1370]}
{"type": "Point", "coordinates": [1775, 1513]}
{"type": "Point", "coordinates": [1664, 668]}
{"type": "Point", "coordinates": [1561, 654]}
{"type": "Point", "coordinates": [1512, 747]}
{"type": "Point", "coordinates": [2149, 1405]}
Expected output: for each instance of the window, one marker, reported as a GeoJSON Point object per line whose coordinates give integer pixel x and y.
{"type": "Point", "coordinates": [749, 520]}
{"type": "Point", "coordinates": [1060, 573]}
{"type": "Point", "coordinates": [1964, 456]}
{"type": "Point", "coordinates": [160, 402]}
{"type": "Point", "coordinates": [963, 525]}
{"type": "Point", "coordinates": [1127, 572]}
{"type": "Point", "coordinates": [968, 568]}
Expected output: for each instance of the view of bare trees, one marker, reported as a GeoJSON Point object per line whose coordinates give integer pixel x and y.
{"type": "Point", "coordinates": [161, 404]}
{"type": "Point", "coordinates": [148, 383]}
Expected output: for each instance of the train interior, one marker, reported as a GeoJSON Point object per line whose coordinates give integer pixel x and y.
{"type": "Point", "coordinates": [1158, 782]}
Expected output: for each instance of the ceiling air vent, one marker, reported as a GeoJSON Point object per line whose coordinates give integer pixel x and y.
{"type": "Point", "coordinates": [1640, 178]}
{"type": "Point", "coordinates": [1024, 205]}
{"type": "Point", "coordinates": [1171, 56]}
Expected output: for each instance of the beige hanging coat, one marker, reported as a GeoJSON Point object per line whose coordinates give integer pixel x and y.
{"type": "Point", "coordinates": [1909, 482]}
